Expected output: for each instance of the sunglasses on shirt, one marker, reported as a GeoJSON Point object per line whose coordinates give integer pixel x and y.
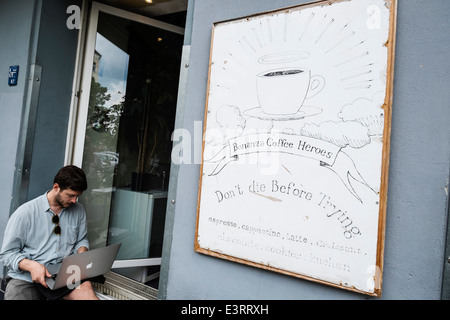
{"type": "Point", "coordinates": [57, 229]}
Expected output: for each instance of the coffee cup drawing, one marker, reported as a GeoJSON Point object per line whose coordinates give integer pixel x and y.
{"type": "Point", "coordinates": [284, 91]}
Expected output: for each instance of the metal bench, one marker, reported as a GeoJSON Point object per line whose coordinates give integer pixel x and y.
{"type": "Point", "coordinates": [118, 287]}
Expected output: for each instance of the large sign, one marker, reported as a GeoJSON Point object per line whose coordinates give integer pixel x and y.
{"type": "Point", "coordinates": [296, 142]}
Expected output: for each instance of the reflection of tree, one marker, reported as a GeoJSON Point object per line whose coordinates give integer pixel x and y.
{"type": "Point", "coordinates": [103, 122]}
{"type": "Point", "coordinates": [98, 95]}
{"type": "Point", "coordinates": [106, 119]}
{"type": "Point", "coordinates": [100, 158]}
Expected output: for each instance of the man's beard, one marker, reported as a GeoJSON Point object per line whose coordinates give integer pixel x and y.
{"type": "Point", "coordinates": [62, 203]}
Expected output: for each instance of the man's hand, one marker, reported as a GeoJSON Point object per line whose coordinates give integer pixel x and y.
{"type": "Point", "coordinates": [38, 271]}
{"type": "Point", "coordinates": [82, 249]}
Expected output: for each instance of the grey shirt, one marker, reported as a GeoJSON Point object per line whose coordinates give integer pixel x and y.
{"type": "Point", "coordinates": [29, 234]}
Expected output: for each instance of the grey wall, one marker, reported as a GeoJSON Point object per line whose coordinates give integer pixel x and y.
{"type": "Point", "coordinates": [56, 53]}
{"type": "Point", "coordinates": [33, 32]}
{"type": "Point", "coordinates": [419, 171]}
{"type": "Point", "coordinates": [420, 152]}
{"type": "Point", "coordinates": [17, 23]}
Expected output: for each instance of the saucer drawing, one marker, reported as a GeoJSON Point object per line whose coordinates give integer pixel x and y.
{"type": "Point", "coordinates": [304, 112]}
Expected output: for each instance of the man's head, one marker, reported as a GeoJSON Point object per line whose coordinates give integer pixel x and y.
{"type": "Point", "coordinates": [68, 185]}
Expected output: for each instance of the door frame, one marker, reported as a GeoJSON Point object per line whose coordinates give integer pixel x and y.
{"type": "Point", "coordinates": [81, 90]}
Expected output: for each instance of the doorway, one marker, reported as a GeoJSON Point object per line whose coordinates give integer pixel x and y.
{"type": "Point", "coordinates": [125, 119]}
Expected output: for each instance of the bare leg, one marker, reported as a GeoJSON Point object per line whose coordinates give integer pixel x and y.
{"type": "Point", "coordinates": [83, 292]}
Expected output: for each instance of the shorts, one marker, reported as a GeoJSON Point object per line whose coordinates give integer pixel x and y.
{"type": "Point", "coordinates": [23, 290]}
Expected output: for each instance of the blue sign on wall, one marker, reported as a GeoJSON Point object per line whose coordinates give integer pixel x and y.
{"type": "Point", "coordinates": [13, 75]}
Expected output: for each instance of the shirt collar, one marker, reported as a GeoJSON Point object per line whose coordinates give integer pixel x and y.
{"type": "Point", "coordinates": [44, 204]}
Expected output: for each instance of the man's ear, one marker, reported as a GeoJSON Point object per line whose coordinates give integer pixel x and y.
{"type": "Point", "coordinates": [56, 187]}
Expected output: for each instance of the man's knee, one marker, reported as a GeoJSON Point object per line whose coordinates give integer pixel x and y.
{"type": "Point", "coordinates": [84, 291]}
{"type": "Point", "coordinates": [87, 285]}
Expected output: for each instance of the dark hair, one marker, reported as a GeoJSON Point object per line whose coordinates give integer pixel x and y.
{"type": "Point", "coordinates": [71, 177]}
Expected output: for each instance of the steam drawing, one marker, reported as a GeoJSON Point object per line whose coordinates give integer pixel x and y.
{"type": "Point", "coordinates": [306, 72]}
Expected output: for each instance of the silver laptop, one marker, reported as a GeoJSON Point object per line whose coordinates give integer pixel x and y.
{"type": "Point", "coordinates": [78, 267]}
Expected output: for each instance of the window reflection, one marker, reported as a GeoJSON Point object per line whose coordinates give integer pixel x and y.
{"type": "Point", "coordinates": [128, 145]}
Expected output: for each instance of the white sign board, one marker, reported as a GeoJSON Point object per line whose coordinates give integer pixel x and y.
{"type": "Point", "coordinates": [296, 141]}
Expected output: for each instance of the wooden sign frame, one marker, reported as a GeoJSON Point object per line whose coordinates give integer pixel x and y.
{"type": "Point", "coordinates": [295, 162]}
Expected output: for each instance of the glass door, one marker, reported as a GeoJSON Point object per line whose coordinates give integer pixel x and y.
{"type": "Point", "coordinates": [125, 120]}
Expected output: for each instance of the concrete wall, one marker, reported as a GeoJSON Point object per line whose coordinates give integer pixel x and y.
{"type": "Point", "coordinates": [17, 25]}
{"type": "Point", "coordinates": [56, 53]}
{"type": "Point", "coordinates": [33, 32]}
{"type": "Point", "coordinates": [419, 172]}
